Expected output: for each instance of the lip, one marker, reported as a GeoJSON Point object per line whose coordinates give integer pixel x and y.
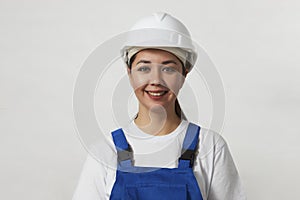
{"type": "Point", "coordinates": [155, 91]}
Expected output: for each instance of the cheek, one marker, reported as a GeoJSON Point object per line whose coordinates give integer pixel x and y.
{"type": "Point", "coordinates": [138, 81]}
{"type": "Point", "coordinates": [174, 83]}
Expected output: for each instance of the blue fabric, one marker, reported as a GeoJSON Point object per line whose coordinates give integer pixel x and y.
{"type": "Point", "coordinates": [121, 145]}
{"type": "Point", "coordinates": [191, 137]}
{"type": "Point", "coordinates": [148, 183]}
{"type": "Point", "coordinates": [190, 143]}
{"type": "Point", "coordinates": [120, 139]}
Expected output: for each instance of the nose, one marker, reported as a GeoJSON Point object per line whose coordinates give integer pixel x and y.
{"type": "Point", "coordinates": [156, 77]}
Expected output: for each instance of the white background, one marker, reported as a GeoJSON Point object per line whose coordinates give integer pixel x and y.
{"type": "Point", "coordinates": [254, 43]}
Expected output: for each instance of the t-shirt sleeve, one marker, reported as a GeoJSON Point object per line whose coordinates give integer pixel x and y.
{"type": "Point", "coordinates": [225, 183]}
{"type": "Point", "coordinates": [91, 185]}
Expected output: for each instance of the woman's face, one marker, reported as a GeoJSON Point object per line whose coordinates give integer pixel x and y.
{"type": "Point", "coordinates": [156, 77]}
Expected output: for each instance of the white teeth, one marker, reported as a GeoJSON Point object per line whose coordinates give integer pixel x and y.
{"type": "Point", "coordinates": [156, 93]}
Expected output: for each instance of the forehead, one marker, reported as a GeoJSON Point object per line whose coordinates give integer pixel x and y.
{"type": "Point", "coordinates": [155, 56]}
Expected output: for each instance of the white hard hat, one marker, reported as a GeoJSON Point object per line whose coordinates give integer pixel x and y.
{"type": "Point", "coordinates": [160, 30]}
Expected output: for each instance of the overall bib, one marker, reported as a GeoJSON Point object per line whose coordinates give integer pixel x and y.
{"type": "Point", "coordinates": [149, 183]}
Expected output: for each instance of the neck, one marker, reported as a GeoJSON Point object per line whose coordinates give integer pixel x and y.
{"type": "Point", "coordinates": [157, 121]}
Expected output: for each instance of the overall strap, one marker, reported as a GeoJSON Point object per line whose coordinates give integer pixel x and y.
{"type": "Point", "coordinates": [189, 146]}
{"type": "Point", "coordinates": [124, 150]}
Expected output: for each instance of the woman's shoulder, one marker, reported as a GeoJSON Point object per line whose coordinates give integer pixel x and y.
{"type": "Point", "coordinates": [210, 141]}
{"type": "Point", "coordinates": [211, 136]}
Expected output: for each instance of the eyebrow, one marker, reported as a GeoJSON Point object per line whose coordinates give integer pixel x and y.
{"type": "Point", "coordinates": [169, 61]}
{"type": "Point", "coordinates": [164, 62]}
{"type": "Point", "coordinates": [143, 61]}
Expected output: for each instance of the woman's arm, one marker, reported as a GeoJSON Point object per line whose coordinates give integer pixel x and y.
{"type": "Point", "coordinates": [225, 183]}
{"type": "Point", "coordinates": [92, 184]}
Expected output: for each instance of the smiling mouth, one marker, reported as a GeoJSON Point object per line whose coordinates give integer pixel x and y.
{"type": "Point", "coordinates": [156, 93]}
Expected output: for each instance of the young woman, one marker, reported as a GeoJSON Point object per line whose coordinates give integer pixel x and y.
{"type": "Point", "coordinates": [160, 155]}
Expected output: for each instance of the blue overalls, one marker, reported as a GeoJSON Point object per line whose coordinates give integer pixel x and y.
{"type": "Point", "coordinates": [149, 183]}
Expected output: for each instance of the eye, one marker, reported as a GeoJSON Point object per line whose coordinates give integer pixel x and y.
{"type": "Point", "coordinates": [143, 69]}
{"type": "Point", "coordinates": [168, 69]}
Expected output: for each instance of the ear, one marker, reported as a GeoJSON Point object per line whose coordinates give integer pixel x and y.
{"type": "Point", "coordinates": [129, 75]}
{"type": "Point", "coordinates": [182, 81]}
{"type": "Point", "coordinates": [185, 73]}
{"type": "Point", "coordinates": [128, 71]}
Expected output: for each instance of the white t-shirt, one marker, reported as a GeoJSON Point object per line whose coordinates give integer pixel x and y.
{"type": "Point", "coordinates": [214, 168]}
